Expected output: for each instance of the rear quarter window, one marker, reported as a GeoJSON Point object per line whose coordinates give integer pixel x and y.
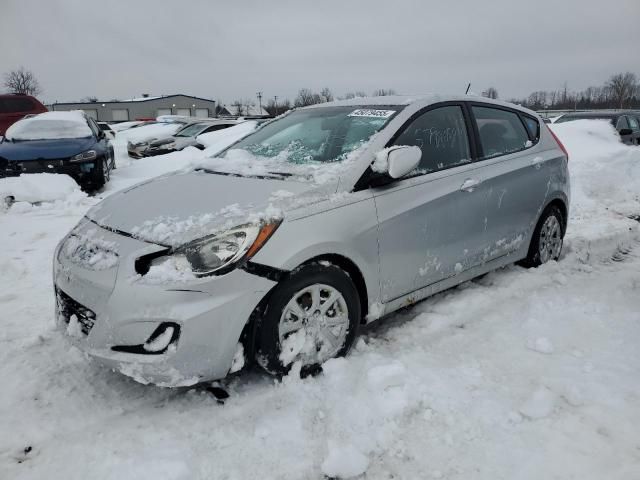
{"type": "Point", "coordinates": [533, 127]}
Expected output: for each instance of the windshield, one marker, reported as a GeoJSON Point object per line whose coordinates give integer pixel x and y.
{"type": "Point", "coordinates": [190, 130]}
{"type": "Point", "coordinates": [317, 135]}
{"type": "Point", "coordinates": [47, 129]}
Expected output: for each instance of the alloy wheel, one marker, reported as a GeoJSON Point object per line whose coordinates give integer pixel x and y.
{"type": "Point", "coordinates": [314, 324]}
{"type": "Point", "coordinates": [550, 242]}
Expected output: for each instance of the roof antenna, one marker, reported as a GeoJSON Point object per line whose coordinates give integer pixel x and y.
{"type": "Point", "coordinates": [468, 87]}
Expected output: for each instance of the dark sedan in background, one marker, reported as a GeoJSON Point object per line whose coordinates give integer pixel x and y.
{"type": "Point", "coordinates": [185, 137]}
{"type": "Point", "coordinates": [626, 123]}
{"type": "Point", "coordinates": [58, 142]}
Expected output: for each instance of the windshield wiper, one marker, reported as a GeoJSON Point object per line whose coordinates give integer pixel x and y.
{"type": "Point", "coordinates": [269, 176]}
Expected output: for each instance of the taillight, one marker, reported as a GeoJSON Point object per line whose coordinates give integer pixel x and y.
{"type": "Point", "coordinates": [555, 137]}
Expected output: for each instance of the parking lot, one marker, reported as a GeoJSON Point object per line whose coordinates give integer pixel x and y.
{"type": "Point", "coordinates": [528, 372]}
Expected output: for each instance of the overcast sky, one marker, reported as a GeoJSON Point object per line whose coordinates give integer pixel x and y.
{"type": "Point", "coordinates": [229, 50]}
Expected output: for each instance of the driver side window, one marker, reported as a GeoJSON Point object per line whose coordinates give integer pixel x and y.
{"type": "Point", "coordinates": [94, 127]}
{"type": "Point", "coordinates": [441, 134]}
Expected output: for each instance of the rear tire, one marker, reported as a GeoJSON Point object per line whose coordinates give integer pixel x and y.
{"type": "Point", "coordinates": [547, 238]}
{"type": "Point", "coordinates": [311, 316]}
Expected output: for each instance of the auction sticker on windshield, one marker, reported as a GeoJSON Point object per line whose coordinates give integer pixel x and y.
{"type": "Point", "coordinates": [372, 113]}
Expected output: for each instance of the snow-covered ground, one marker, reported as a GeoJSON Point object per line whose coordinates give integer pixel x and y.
{"type": "Point", "coordinates": [521, 374]}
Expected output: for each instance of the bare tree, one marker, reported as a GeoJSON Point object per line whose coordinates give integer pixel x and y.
{"type": "Point", "coordinates": [278, 107]}
{"type": "Point", "coordinates": [490, 92]}
{"type": "Point", "coordinates": [326, 95]}
{"type": "Point", "coordinates": [383, 92]}
{"type": "Point", "coordinates": [22, 81]}
{"type": "Point", "coordinates": [307, 97]}
{"type": "Point", "coordinates": [622, 87]}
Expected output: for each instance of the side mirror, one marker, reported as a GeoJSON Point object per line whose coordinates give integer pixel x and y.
{"type": "Point", "coordinates": [397, 161]}
{"type": "Point", "coordinates": [625, 131]}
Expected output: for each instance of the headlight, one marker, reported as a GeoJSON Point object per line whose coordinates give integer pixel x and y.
{"type": "Point", "coordinates": [88, 155]}
{"type": "Point", "coordinates": [219, 253]}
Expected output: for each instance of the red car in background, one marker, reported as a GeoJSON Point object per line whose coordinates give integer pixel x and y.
{"type": "Point", "coordinates": [13, 107]}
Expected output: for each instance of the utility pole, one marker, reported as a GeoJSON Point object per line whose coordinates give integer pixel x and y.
{"type": "Point", "coordinates": [259, 94]}
{"type": "Point", "coordinates": [275, 100]}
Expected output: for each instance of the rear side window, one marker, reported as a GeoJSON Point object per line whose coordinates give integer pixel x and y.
{"type": "Point", "coordinates": [15, 105]}
{"type": "Point", "coordinates": [93, 126]}
{"type": "Point", "coordinates": [533, 127]}
{"type": "Point", "coordinates": [501, 131]}
{"type": "Point", "coordinates": [442, 136]}
{"type": "Point", "coordinates": [216, 127]}
{"type": "Point", "coordinates": [633, 123]}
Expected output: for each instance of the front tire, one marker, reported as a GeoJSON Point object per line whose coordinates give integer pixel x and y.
{"type": "Point", "coordinates": [101, 174]}
{"type": "Point", "coordinates": [547, 239]}
{"type": "Point", "coordinates": [311, 317]}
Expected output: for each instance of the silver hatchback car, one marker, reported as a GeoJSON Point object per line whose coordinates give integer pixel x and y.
{"type": "Point", "coordinates": [334, 215]}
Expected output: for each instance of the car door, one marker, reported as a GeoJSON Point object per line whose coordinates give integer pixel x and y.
{"type": "Point", "coordinates": [622, 126]}
{"type": "Point", "coordinates": [431, 223]}
{"type": "Point", "coordinates": [516, 175]}
{"type": "Point", "coordinates": [103, 142]}
{"type": "Point", "coordinates": [634, 125]}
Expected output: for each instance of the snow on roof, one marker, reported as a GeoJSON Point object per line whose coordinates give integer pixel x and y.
{"type": "Point", "coordinates": [50, 126]}
{"type": "Point", "coordinates": [386, 100]}
{"type": "Point", "coordinates": [422, 99]}
{"type": "Point", "coordinates": [141, 99]}
{"type": "Point", "coordinates": [70, 116]}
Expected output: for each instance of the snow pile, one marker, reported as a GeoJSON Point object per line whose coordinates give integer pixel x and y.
{"type": "Point", "coordinates": [604, 170]}
{"type": "Point", "coordinates": [605, 187]}
{"type": "Point", "coordinates": [344, 461]}
{"type": "Point", "coordinates": [217, 141]}
{"type": "Point", "coordinates": [539, 405]}
{"type": "Point", "coordinates": [39, 187]}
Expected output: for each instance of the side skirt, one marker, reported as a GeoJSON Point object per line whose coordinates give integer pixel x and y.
{"type": "Point", "coordinates": [418, 295]}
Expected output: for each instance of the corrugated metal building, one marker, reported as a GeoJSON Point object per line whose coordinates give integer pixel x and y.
{"type": "Point", "coordinates": [143, 107]}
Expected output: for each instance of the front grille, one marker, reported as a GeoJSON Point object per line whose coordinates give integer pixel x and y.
{"type": "Point", "coordinates": [67, 307]}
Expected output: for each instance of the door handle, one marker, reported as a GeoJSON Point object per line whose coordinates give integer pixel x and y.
{"type": "Point", "coordinates": [470, 184]}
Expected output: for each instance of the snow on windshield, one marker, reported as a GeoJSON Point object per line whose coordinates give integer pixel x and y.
{"type": "Point", "coordinates": [309, 143]}
{"type": "Point", "coordinates": [50, 126]}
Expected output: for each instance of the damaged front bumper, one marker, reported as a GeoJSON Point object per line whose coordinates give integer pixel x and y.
{"type": "Point", "coordinates": [114, 316]}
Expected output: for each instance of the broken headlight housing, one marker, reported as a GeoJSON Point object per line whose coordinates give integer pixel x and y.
{"type": "Point", "coordinates": [219, 253]}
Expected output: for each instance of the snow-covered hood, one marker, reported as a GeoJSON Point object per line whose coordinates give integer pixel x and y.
{"type": "Point", "coordinates": [178, 208]}
{"type": "Point", "coordinates": [183, 142]}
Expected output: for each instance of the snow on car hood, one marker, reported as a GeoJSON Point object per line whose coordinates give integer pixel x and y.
{"type": "Point", "coordinates": [178, 208]}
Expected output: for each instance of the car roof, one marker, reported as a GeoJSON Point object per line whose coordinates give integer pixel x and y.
{"type": "Point", "coordinates": [417, 101]}
{"type": "Point", "coordinates": [70, 116]}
